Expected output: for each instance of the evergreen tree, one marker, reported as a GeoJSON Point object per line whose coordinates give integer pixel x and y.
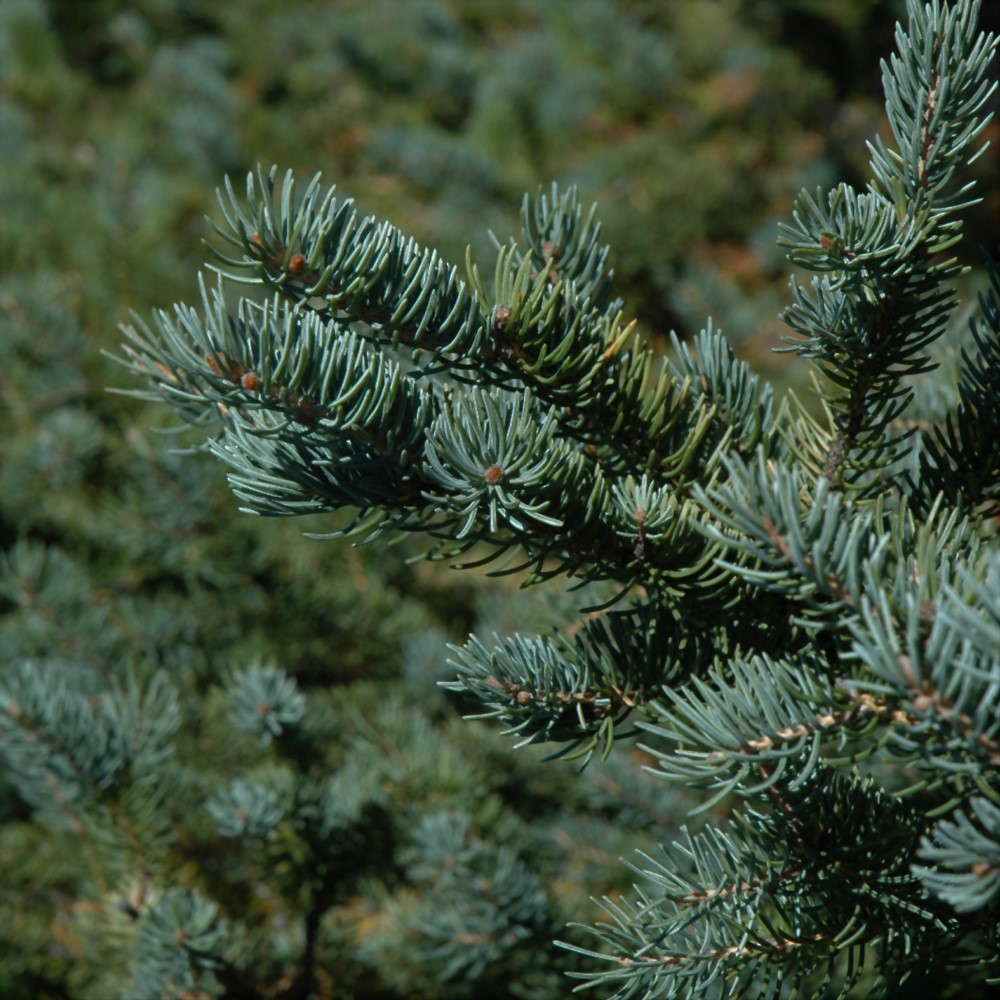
{"type": "Point", "coordinates": [799, 612]}
{"type": "Point", "coordinates": [803, 611]}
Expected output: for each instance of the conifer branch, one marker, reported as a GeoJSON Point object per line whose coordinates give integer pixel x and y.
{"type": "Point", "coordinates": [798, 612]}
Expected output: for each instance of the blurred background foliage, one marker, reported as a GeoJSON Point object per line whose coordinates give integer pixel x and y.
{"type": "Point", "coordinates": [692, 123]}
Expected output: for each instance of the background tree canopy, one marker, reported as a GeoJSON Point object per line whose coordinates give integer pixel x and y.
{"type": "Point", "coordinates": [692, 124]}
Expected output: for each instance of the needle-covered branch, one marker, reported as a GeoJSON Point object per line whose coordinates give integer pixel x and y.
{"type": "Point", "coordinates": [797, 607]}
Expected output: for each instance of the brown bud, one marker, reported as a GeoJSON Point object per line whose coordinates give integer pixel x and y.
{"type": "Point", "coordinates": [250, 381]}
{"type": "Point", "coordinates": [493, 475]}
{"type": "Point", "coordinates": [297, 264]}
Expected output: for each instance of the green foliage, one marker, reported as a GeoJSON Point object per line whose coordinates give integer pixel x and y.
{"type": "Point", "coordinates": [226, 769]}
{"type": "Point", "coordinates": [799, 612]}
